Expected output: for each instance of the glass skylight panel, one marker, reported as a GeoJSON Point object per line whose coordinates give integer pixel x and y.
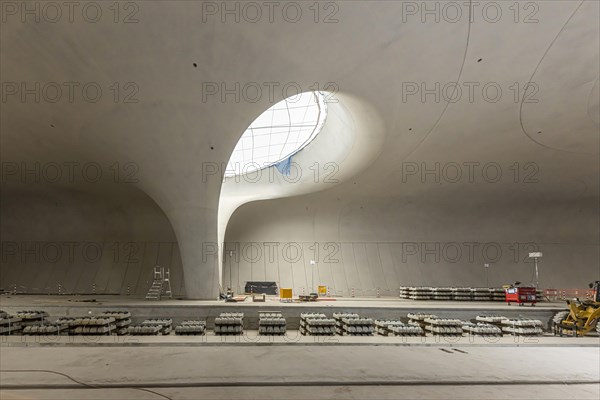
{"type": "Point", "coordinates": [278, 133]}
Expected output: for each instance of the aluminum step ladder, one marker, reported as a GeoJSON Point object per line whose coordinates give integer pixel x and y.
{"type": "Point", "coordinates": [161, 284]}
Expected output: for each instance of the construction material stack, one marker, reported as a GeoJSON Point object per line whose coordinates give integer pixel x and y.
{"type": "Point", "coordinates": [481, 329]}
{"type": "Point", "coordinates": [166, 324]}
{"type": "Point", "coordinates": [481, 294]}
{"type": "Point", "coordinates": [444, 293]}
{"type": "Point", "coordinates": [43, 327]}
{"type": "Point", "coordinates": [382, 326]}
{"type": "Point", "coordinates": [191, 327]}
{"type": "Point", "coordinates": [522, 326]}
{"type": "Point", "coordinates": [420, 293]}
{"type": "Point", "coordinates": [397, 328]}
{"type": "Point", "coordinates": [338, 320]}
{"type": "Point", "coordinates": [91, 325]}
{"type": "Point", "coordinates": [122, 320]}
{"type": "Point", "coordinates": [350, 324]}
{"type": "Point", "coordinates": [498, 294]}
{"type": "Point", "coordinates": [461, 294]}
{"type": "Point", "coordinates": [444, 326]}
{"type": "Point", "coordinates": [229, 324]}
{"type": "Point", "coordinates": [404, 292]}
{"type": "Point", "coordinates": [271, 323]}
{"type": "Point", "coordinates": [9, 325]}
{"type": "Point", "coordinates": [419, 319]}
{"type": "Point", "coordinates": [491, 319]}
{"type": "Point", "coordinates": [31, 317]}
{"type": "Point", "coordinates": [144, 330]}
{"type": "Point", "coordinates": [316, 324]}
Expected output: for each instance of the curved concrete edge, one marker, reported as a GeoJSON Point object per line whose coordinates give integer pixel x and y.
{"type": "Point", "coordinates": [351, 139]}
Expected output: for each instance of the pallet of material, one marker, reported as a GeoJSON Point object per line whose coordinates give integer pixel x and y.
{"type": "Point", "coordinates": [481, 329]}
{"type": "Point", "coordinates": [498, 294]}
{"type": "Point", "coordinates": [443, 293]}
{"type": "Point", "coordinates": [31, 317]}
{"type": "Point", "coordinates": [444, 326]}
{"type": "Point", "coordinates": [165, 324]}
{"type": "Point", "coordinates": [91, 326]}
{"type": "Point", "coordinates": [122, 320]}
{"type": "Point", "coordinates": [229, 324]}
{"type": "Point", "coordinates": [481, 294]}
{"type": "Point", "coordinates": [191, 327]}
{"type": "Point", "coordinates": [420, 317]}
{"type": "Point", "coordinates": [9, 325]}
{"type": "Point", "coordinates": [382, 325]}
{"type": "Point", "coordinates": [316, 324]}
{"type": "Point", "coordinates": [490, 319]}
{"type": "Point", "coordinates": [69, 322]}
{"type": "Point", "coordinates": [420, 293]}
{"type": "Point", "coordinates": [523, 331]}
{"type": "Point", "coordinates": [11, 329]}
{"type": "Point", "coordinates": [271, 323]}
{"type": "Point", "coordinates": [45, 329]}
{"type": "Point", "coordinates": [404, 292]}
{"type": "Point", "coordinates": [444, 330]}
{"type": "Point", "coordinates": [522, 326]}
{"type": "Point", "coordinates": [94, 330]}
{"type": "Point", "coordinates": [397, 328]}
{"type": "Point", "coordinates": [355, 327]}
{"type": "Point", "coordinates": [144, 330]}
{"type": "Point", "coordinates": [461, 294]}
{"type": "Point", "coordinates": [443, 321]}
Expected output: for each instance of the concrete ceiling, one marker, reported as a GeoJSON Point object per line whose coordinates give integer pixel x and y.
{"type": "Point", "coordinates": [376, 51]}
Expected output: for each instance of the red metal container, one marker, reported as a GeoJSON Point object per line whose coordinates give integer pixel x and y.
{"type": "Point", "coordinates": [521, 295]}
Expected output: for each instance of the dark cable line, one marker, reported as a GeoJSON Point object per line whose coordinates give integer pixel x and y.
{"type": "Point", "coordinates": [86, 385]}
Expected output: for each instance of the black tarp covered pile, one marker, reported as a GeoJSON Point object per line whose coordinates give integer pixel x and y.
{"type": "Point", "coordinates": [261, 287]}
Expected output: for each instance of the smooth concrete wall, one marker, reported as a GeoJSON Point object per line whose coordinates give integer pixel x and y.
{"type": "Point", "coordinates": [86, 242]}
{"type": "Point", "coordinates": [370, 246]}
{"type": "Point", "coordinates": [175, 134]}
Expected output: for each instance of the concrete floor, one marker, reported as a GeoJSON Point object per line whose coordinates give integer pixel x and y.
{"type": "Point", "coordinates": [463, 392]}
{"type": "Point", "coordinates": [340, 371]}
{"type": "Point", "coordinates": [293, 337]}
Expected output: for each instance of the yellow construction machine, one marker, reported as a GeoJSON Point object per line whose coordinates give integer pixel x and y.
{"type": "Point", "coordinates": [582, 316]}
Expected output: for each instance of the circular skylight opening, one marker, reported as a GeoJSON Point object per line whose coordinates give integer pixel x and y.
{"type": "Point", "coordinates": [279, 133]}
